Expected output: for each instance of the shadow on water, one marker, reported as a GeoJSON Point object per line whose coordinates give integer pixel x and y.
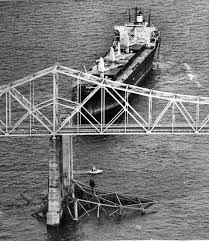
{"type": "Point", "coordinates": [75, 231]}
{"type": "Point", "coordinates": [150, 81]}
{"type": "Point", "coordinates": [67, 231]}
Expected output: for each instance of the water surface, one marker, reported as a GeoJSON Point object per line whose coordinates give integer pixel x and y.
{"type": "Point", "coordinates": [173, 170]}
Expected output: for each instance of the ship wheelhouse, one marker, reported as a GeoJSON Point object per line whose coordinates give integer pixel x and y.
{"type": "Point", "coordinates": [139, 32]}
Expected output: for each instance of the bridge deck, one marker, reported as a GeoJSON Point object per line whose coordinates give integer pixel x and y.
{"type": "Point", "coordinates": [27, 108]}
{"type": "Point", "coordinates": [105, 130]}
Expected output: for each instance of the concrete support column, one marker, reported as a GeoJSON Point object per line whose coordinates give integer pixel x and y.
{"type": "Point", "coordinates": [68, 185]}
{"type": "Point", "coordinates": [67, 152]}
{"type": "Point", "coordinates": [55, 183]}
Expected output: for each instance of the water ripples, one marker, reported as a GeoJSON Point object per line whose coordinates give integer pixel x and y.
{"type": "Point", "coordinates": [171, 169]}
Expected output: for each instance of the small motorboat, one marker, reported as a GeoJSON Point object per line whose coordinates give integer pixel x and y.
{"type": "Point", "coordinates": [95, 171]}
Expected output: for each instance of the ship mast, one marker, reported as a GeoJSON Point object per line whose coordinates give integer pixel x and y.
{"type": "Point", "coordinates": [149, 19]}
{"type": "Point", "coordinates": [129, 15]}
{"type": "Point", "coordinates": [136, 10]}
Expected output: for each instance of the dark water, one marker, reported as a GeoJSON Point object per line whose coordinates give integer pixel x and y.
{"type": "Point", "coordinates": [173, 170]}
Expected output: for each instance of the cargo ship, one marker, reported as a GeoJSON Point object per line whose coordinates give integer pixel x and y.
{"type": "Point", "coordinates": [128, 61]}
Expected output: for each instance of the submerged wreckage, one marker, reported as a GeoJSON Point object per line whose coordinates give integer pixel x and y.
{"type": "Point", "coordinates": [89, 200]}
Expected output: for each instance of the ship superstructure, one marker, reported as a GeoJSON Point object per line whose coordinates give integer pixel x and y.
{"type": "Point", "coordinates": [128, 60]}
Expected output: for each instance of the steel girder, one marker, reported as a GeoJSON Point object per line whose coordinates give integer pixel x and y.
{"type": "Point", "coordinates": [42, 105]}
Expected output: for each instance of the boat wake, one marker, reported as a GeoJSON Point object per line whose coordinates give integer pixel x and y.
{"type": "Point", "coordinates": [173, 72]}
{"type": "Point", "coordinates": [191, 75]}
{"type": "Point", "coordinates": [80, 172]}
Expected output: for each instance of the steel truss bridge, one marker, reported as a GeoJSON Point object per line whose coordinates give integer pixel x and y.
{"type": "Point", "coordinates": [41, 104]}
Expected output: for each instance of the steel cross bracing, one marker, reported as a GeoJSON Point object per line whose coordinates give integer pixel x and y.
{"type": "Point", "coordinates": [43, 104]}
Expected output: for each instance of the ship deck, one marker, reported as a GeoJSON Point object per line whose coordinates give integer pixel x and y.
{"type": "Point", "coordinates": [113, 68]}
{"type": "Point", "coordinates": [130, 68]}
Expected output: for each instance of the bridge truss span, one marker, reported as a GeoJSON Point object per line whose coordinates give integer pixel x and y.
{"type": "Point", "coordinates": [51, 102]}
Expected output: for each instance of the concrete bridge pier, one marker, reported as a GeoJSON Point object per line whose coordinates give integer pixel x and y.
{"type": "Point", "coordinates": [60, 176]}
{"type": "Point", "coordinates": [67, 162]}
{"type": "Point", "coordinates": [68, 185]}
{"type": "Point", "coordinates": [54, 181]}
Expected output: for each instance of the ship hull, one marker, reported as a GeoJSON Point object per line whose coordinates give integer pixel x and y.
{"type": "Point", "coordinates": [139, 73]}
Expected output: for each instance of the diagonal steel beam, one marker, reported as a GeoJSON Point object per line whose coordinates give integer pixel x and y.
{"type": "Point", "coordinates": [6, 88]}
{"type": "Point", "coordinates": [126, 109]}
{"type": "Point", "coordinates": [99, 131]}
{"type": "Point", "coordinates": [128, 105]}
{"type": "Point", "coordinates": [186, 115]}
{"type": "Point", "coordinates": [161, 114]}
{"type": "Point", "coordinates": [113, 120]}
{"type": "Point", "coordinates": [78, 108]}
{"type": "Point", "coordinates": [19, 122]}
{"type": "Point", "coordinates": [27, 105]}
